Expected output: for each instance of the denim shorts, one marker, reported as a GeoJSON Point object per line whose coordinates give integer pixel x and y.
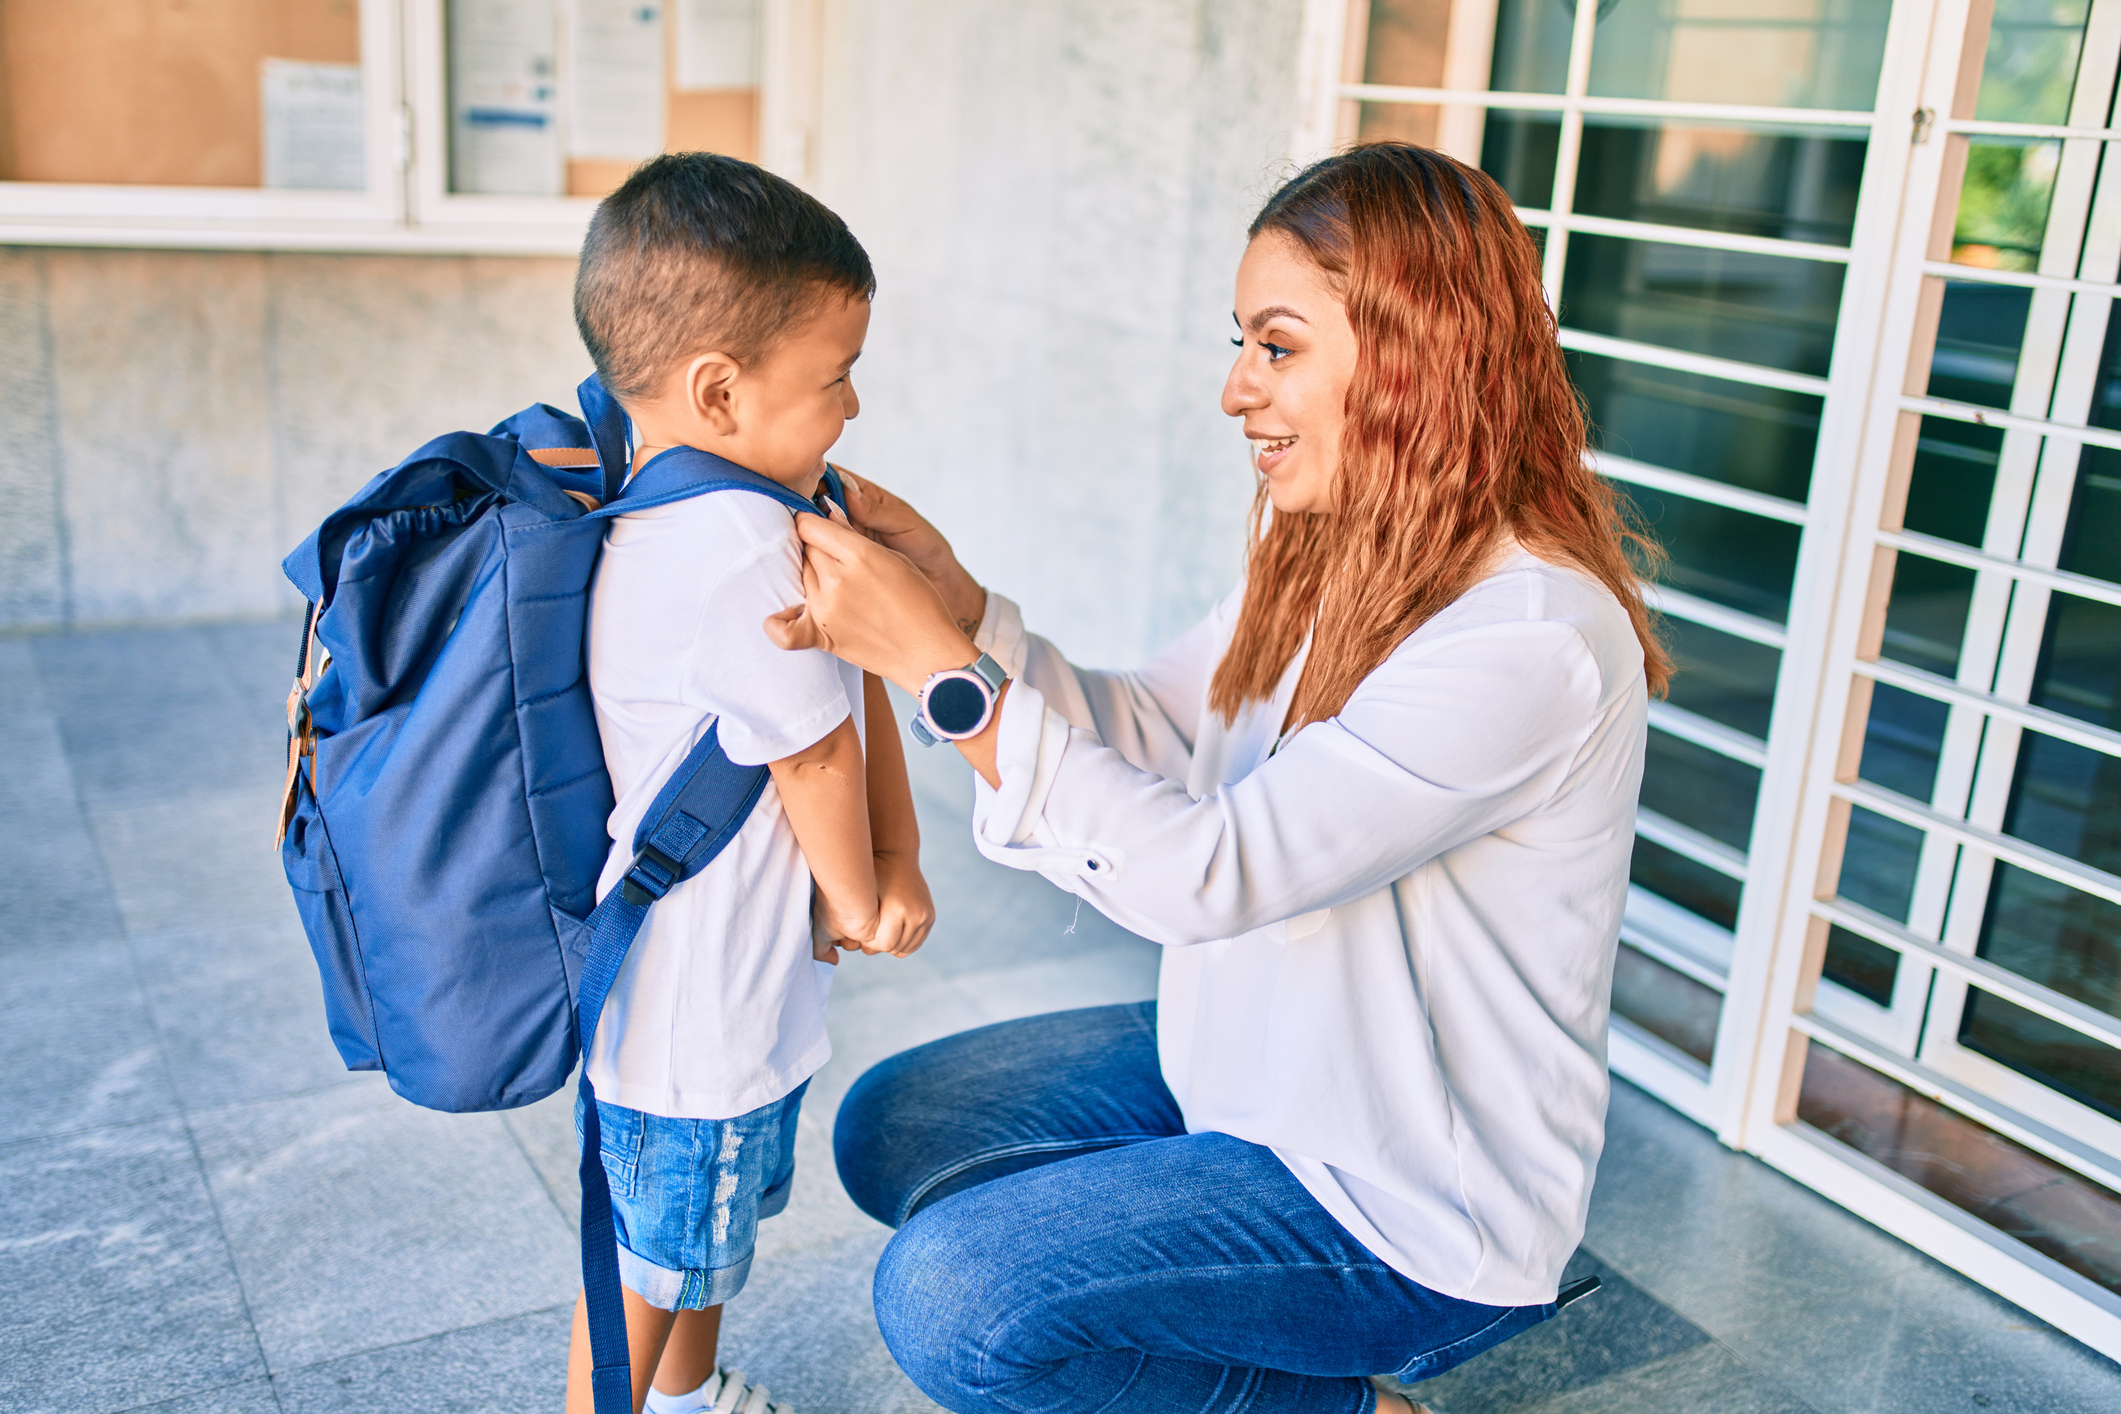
{"type": "Point", "coordinates": [687, 1195]}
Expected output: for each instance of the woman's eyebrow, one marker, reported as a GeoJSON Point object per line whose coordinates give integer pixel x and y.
{"type": "Point", "coordinates": [1266, 316]}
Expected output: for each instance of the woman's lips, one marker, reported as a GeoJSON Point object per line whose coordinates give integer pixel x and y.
{"type": "Point", "coordinates": [1267, 453]}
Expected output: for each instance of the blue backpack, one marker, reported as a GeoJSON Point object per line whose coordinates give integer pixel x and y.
{"type": "Point", "coordinates": [443, 823]}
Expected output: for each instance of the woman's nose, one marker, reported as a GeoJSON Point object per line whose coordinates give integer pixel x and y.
{"type": "Point", "coordinates": [1242, 390]}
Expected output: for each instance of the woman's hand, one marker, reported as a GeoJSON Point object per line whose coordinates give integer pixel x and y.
{"type": "Point", "coordinates": [897, 526]}
{"type": "Point", "coordinates": [906, 911]}
{"type": "Point", "coordinates": [869, 606]}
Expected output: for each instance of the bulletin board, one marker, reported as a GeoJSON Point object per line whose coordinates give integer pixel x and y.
{"type": "Point", "coordinates": [161, 92]}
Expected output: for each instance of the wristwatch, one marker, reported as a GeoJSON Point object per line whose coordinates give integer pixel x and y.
{"type": "Point", "coordinates": [958, 702]}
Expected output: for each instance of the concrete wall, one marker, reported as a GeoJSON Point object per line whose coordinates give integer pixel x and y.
{"type": "Point", "coordinates": [1054, 192]}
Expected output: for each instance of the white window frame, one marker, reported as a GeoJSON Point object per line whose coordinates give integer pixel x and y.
{"type": "Point", "coordinates": [406, 207]}
{"type": "Point", "coordinates": [1776, 1002]}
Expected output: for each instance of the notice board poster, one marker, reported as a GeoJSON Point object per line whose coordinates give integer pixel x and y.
{"type": "Point", "coordinates": [504, 102]}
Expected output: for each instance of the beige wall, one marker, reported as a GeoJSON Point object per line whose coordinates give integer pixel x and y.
{"type": "Point", "coordinates": [1054, 192]}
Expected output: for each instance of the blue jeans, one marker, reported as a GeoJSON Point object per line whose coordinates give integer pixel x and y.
{"type": "Point", "coordinates": [1065, 1245]}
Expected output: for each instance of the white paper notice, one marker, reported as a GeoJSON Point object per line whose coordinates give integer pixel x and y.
{"type": "Point", "coordinates": [615, 79]}
{"type": "Point", "coordinates": [718, 44]}
{"type": "Point", "coordinates": [314, 136]}
{"type": "Point", "coordinates": [504, 105]}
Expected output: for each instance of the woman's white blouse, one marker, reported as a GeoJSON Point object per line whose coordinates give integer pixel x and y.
{"type": "Point", "coordinates": [1389, 939]}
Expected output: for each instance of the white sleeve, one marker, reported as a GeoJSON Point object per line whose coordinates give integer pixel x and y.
{"type": "Point", "coordinates": [1151, 716]}
{"type": "Point", "coordinates": [770, 703]}
{"type": "Point", "coordinates": [1448, 740]}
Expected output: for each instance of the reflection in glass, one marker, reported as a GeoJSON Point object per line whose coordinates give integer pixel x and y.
{"type": "Point", "coordinates": [1707, 893]}
{"type": "Point", "coordinates": [2066, 940]}
{"type": "Point", "coordinates": [2067, 798]}
{"type": "Point", "coordinates": [1878, 863]}
{"type": "Point", "coordinates": [2003, 203]}
{"type": "Point", "coordinates": [1866, 968]}
{"type": "Point", "coordinates": [1731, 557]}
{"type": "Point", "coordinates": [1739, 433]}
{"type": "Point", "coordinates": [1404, 43]}
{"type": "Point", "coordinates": [1777, 53]}
{"type": "Point", "coordinates": [1952, 478]}
{"type": "Point", "coordinates": [1721, 676]}
{"type": "Point", "coordinates": [1978, 334]}
{"type": "Point", "coordinates": [1700, 789]}
{"type": "Point", "coordinates": [2031, 65]}
{"type": "Point", "coordinates": [1763, 309]}
{"type": "Point", "coordinates": [1925, 620]}
{"type": "Point", "coordinates": [1397, 122]}
{"type": "Point", "coordinates": [1518, 151]}
{"type": "Point", "coordinates": [1781, 185]}
{"type": "Point", "coordinates": [1532, 47]}
{"type": "Point", "coordinates": [2091, 544]}
{"type": "Point", "coordinates": [1902, 741]}
{"type": "Point", "coordinates": [1667, 1003]}
{"type": "Point", "coordinates": [2080, 661]}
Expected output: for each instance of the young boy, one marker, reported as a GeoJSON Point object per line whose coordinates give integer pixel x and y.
{"type": "Point", "coordinates": [724, 308]}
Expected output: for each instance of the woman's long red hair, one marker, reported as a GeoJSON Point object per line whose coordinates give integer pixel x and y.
{"type": "Point", "coordinates": [1462, 429]}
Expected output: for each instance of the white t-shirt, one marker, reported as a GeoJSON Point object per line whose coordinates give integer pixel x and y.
{"type": "Point", "coordinates": [720, 1007]}
{"type": "Point", "coordinates": [1390, 937]}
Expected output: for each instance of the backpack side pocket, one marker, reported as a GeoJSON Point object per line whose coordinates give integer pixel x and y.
{"type": "Point", "coordinates": [320, 897]}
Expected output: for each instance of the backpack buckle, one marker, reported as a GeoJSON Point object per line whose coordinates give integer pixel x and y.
{"type": "Point", "coordinates": [651, 875]}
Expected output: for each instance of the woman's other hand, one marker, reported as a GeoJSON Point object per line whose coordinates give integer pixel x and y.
{"type": "Point", "coordinates": [897, 526]}
{"type": "Point", "coordinates": [869, 606]}
{"type": "Point", "coordinates": [906, 911]}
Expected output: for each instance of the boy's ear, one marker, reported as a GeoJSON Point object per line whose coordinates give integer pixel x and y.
{"type": "Point", "coordinates": [709, 391]}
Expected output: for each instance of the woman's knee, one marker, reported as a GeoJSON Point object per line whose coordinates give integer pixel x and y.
{"type": "Point", "coordinates": [935, 1294]}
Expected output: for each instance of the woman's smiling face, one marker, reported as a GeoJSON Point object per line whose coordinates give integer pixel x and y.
{"type": "Point", "coordinates": [1290, 381]}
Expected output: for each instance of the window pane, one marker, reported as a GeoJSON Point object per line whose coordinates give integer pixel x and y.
{"type": "Point", "coordinates": [1782, 185]}
{"type": "Point", "coordinates": [1700, 789]}
{"type": "Point", "coordinates": [145, 92]}
{"type": "Point", "coordinates": [1762, 309]}
{"type": "Point", "coordinates": [1700, 890]}
{"type": "Point", "coordinates": [1397, 122]}
{"type": "Point", "coordinates": [1760, 438]}
{"type": "Point", "coordinates": [1878, 864]}
{"type": "Point", "coordinates": [1925, 620]}
{"type": "Point", "coordinates": [2067, 798]}
{"type": "Point", "coordinates": [1531, 47]}
{"type": "Point", "coordinates": [1978, 335]}
{"type": "Point", "coordinates": [2031, 65]}
{"type": "Point", "coordinates": [1864, 967]}
{"type": "Point", "coordinates": [2080, 664]}
{"type": "Point", "coordinates": [2054, 1210]}
{"type": "Point", "coordinates": [2066, 940]}
{"type": "Point", "coordinates": [1778, 53]}
{"type": "Point", "coordinates": [1903, 740]}
{"type": "Point", "coordinates": [1721, 676]}
{"type": "Point", "coordinates": [1405, 43]}
{"type": "Point", "coordinates": [1518, 151]}
{"type": "Point", "coordinates": [2003, 204]}
{"type": "Point", "coordinates": [1731, 557]}
{"type": "Point", "coordinates": [1952, 479]}
{"type": "Point", "coordinates": [1666, 1003]}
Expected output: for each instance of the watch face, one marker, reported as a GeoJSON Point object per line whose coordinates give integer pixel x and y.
{"type": "Point", "coordinates": [955, 705]}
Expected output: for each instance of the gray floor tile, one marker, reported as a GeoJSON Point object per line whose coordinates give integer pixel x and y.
{"type": "Point", "coordinates": [1705, 1379]}
{"type": "Point", "coordinates": [118, 1287]}
{"type": "Point", "coordinates": [52, 885]}
{"type": "Point", "coordinates": [249, 1397]}
{"type": "Point", "coordinates": [1098, 976]}
{"type": "Point", "coordinates": [158, 714]}
{"type": "Point", "coordinates": [1766, 1265]}
{"type": "Point", "coordinates": [359, 1221]}
{"type": "Point", "coordinates": [1616, 1328]}
{"type": "Point", "coordinates": [881, 1022]}
{"type": "Point", "coordinates": [819, 1213]}
{"type": "Point", "coordinates": [77, 1045]}
{"type": "Point", "coordinates": [240, 1011]}
{"type": "Point", "coordinates": [805, 1328]}
{"type": "Point", "coordinates": [201, 860]}
{"type": "Point", "coordinates": [512, 1366]}
{"type": "Point", "coordinates": [544, 1131]}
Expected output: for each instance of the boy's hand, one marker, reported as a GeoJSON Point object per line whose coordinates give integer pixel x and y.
{"type": "Point", "coordinates": [906, 911]}
{"type": "Point", "coordinates": [829, 933]}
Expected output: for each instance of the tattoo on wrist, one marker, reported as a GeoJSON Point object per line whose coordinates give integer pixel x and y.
{"type": "Point", "coordinates": [968, 627]}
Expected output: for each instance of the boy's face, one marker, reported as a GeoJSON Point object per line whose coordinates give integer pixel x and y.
{"type": "Point", "coordinates": [800, 395]}
{"type": "Point", "coordinates": [776, 416]}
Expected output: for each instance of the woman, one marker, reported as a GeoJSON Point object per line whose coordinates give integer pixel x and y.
{"type": "Point", "coordinates": [1378, 806]}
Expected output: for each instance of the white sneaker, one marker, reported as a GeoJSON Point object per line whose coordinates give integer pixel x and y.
{"type": "Point", "coordinates": [726, 1393]}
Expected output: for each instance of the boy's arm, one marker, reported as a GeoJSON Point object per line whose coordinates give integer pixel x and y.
{"type": "Point", "coordinates": [906, 911]}
{"type": "Point", "coordinates": [824, 789]}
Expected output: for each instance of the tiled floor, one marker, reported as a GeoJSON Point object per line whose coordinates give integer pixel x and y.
{"type": "Point", "coordinates": [201, 1212]}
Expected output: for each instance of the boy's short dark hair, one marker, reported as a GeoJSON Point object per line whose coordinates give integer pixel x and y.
{"type": "Point", "coordinates": [697, 251]}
